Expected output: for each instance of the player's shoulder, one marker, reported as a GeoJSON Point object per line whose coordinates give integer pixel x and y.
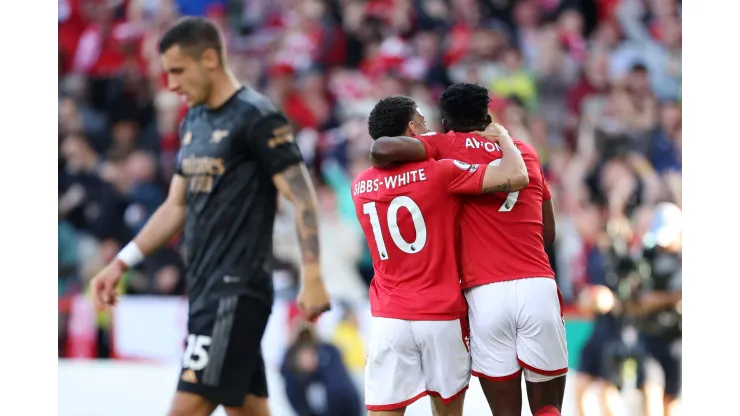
{"type": "Point", "coordinates": [449, 162]}
{"type": "Point", "coordinates": [193, 113]}
{"type": "Point", "coordinates": [429, 135]}
{"type": "Point", "coordinates": [366, 174]}
{"type": "Point", "coordinates": [524, 146]}
{"type": "Point", "coordinates": [527, 150]}
{"type": "Point", "coordinates": [443, 168]}
{"type": "Point", "coordinates": [436, 136]}
{"type": "Point", "coordinates": [365, 183]}
{"type": "Point", "coordinates": [246, 101]}
{"type": "Point", "coordinates": [373, 173]}
{"type": "Point", "coordinates": [255, 103]}
{"type": "Point", "coordinates": [444, 144]}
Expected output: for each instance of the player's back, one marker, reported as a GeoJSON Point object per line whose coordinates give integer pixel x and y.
{"type": "Point", "coordinates": [502, 234]}
{"type": "Point", "coordinates": [409, 217]}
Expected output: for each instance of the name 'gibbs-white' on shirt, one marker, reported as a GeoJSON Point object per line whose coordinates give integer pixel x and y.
{"type": "Point", "coordinates": [409, 217]}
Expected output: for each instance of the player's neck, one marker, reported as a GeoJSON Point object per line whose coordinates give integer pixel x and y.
{"type": "Point", "coordinates": [225, 86]}
{"type": "Point", "coordinates": [465, 129]}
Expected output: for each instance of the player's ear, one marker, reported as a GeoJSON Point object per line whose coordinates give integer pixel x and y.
{"type": "Point", "coordinates": [210, 58]}
{"type": "Point", "coordinates": [410, 130]}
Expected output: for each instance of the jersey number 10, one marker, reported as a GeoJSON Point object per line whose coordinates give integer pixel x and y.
{"type": "Point", "coordinates": [392, 219]}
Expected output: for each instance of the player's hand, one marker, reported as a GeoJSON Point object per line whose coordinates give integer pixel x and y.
{"type": "Point", "coordinates": [495, 132]}
{"type": "Point", "coordinates": [313, 300]}
{"type": "Point", "coordinates": [105, 284]}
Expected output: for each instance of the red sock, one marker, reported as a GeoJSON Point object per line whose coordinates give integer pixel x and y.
{"type": "Point", "coordinates": [547, 411]}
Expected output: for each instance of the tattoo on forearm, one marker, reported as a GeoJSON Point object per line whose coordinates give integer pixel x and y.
{"type": "Point", "coordinates": [305, 212]}
{"type": "Point", "coordinates": [309, 236]}
{"type": "Point", "coordinates": [502, 187]}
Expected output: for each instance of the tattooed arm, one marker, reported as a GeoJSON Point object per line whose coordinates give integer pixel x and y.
{"type": "Point", "coordinates": [510, 172]}
{"type": "Point", "coordinates": [271, 140]}
{"type": "Point", "coordinates": [295, 183]}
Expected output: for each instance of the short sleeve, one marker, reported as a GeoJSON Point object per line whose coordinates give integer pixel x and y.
{"type": "Point", "coordinates": [178, 159]}
{"type": "Point", "coordinates": [437, 145]}
{"type": "Point", "coordinates": [533, 164]}
{"type": "Point", "coordinates": [459, 177]}
{"type": "Point", "coordinates": [272, 140]}
{"type": "Point", "coordinates": [178, 163]}
{"type": "Point", "coordinates": [546, 196]}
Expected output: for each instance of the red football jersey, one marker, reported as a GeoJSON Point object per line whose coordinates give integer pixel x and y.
{"type": "Point", "coordinates": [409, 216]}
{"type": "Point", "coordinates": [501, 233]}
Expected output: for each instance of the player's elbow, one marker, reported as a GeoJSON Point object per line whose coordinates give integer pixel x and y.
{"type": "Point", "coordinates": [381, 152]}
{"type": "Point", "coordinates": [549, 235]}
{"type": "Point", "coordinates": [519, 180]}
{"type": "Point", "coordinates": [548, 221]}
{"type": "Point", "coordinates": [174, 205]}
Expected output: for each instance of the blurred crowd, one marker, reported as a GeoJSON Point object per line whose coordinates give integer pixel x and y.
{"type": "Point", "coordinates": [594, 85]}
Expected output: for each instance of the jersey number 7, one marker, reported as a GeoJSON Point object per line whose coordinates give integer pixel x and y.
{"type": "Point", "coordinates": [511, 198]}
{"type": "Point", "coordinates": [392, 220]}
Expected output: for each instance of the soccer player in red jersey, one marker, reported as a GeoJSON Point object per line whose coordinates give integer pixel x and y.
{"type": "Point", "coordinates": [515, 307]}
{"type": "Point", "coordinates": [409, 216]}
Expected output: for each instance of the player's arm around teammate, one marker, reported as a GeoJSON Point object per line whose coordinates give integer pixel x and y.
{"type": "Point", "coordinates": [386, 151]}
{"type": "Point", "coordinates": [511, 174]}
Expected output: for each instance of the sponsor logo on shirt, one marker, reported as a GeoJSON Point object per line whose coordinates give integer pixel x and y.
{"type": "Point", "coordinates": [218, 135]}
{"type": "Point", "coordinates": [281, 135]}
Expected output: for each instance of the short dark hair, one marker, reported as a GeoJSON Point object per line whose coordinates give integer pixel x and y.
{"type": "Point", "coordinates": [639, 67]}
{"type": "Point", "coordinates": [390, 116]}
{"type": "Point", "coordinates": [194, 35]}
{"type": "Point", "coordinates": [465, 106]}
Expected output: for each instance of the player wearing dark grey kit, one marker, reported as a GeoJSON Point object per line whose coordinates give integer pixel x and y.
{"type": "Point", "coordinates": [237, 153]}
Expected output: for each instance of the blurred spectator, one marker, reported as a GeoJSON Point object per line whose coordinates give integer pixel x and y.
{"type": "Point", "coordinates": [106, 252]}
{"type": "Point", "coordinates": [555, 70]}
{"type": "Point", "coordinates": [77, 116]}
{"type": "Point", "coordinates": [349, 340]}
{"type": "Point", "coordinates": [657, 45]}
{"type": "Point", "coordinates": [316, 380]}
{"type": "Point", "coordinates": [161, 274]}
{"type": "Point", "coordinates": [144, 193]}
{"type": "Point", "coordinates": [340, 251]}
{"type": "Point", "coordinates": [67, 258]}
{"type": "Point", "coordinates": [90, 203]}
{"type": "Point", "coordinates": [665, 151]}
{"type": "Point", "coordinates": [515, 81]}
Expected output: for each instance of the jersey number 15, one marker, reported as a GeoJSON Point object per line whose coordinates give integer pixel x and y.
{"type": "Point", "coordinates": [392, 220]}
